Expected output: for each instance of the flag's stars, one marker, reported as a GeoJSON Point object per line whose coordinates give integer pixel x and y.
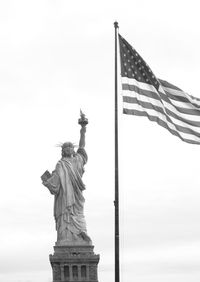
{"type": "Point", "coordinates": [133, 66]}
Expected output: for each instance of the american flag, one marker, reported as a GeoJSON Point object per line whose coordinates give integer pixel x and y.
{"type": "Point", "coordinates": [156, 99]}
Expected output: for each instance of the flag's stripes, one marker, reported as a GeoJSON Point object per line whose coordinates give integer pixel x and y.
{"type": "Point", "coordinates": [141, 85]}
{"type": "Point", "coordinates": [157, 109]}
{"type": "Point", "coordinates": [169, 85]}
{"type": "Point", "coordinates": [179, 103]}
{"type": "Point", "coordinates": [165, 102]}
{"type": "Point", "coordinates": [186, 138]}
{"type": "Point", "coordinates": [153, 115]}
{"type": "Point", "coordinates": [176, 93]}
{"type": "Point", "coordinates": [171, 112]}
{"type": "Point", "coordinates": [179, 97]}
{"type": "Point", "coordinates": [186, 101]}
{"type": "Point", "coordinates": [183, 127]}
{"type": "Point", "coordinates": [135, 88]}
{"type": "Point", "coordinates": [160, 119]}
{"type": "Point", "coordinates": [131, 101]}
{"type": "Point", "coordinates": [184, 108]}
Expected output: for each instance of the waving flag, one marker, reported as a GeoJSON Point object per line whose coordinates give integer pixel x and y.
{"type": "Point", "coordinates": [160, 101]}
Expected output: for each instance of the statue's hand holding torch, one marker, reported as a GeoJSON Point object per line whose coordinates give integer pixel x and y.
{"type": "Point", "coordinates": [83, 121]}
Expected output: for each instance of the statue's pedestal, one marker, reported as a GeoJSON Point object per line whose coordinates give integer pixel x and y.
{"type": "Point", "coordinates": [74, 263]}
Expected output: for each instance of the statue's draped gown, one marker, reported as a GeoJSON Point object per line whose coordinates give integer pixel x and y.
{"type": "Point", "coordinates": [67, 186]}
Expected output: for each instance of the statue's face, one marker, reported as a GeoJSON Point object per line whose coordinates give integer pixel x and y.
{"type": "Point", "coordinates": [68, 151]}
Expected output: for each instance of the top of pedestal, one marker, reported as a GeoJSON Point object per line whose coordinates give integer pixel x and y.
{"type": "Point", "coordinates": [74, 249]}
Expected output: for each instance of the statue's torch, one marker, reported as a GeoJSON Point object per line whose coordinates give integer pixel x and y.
{"type": "Point", "coordinates": [83, 121]}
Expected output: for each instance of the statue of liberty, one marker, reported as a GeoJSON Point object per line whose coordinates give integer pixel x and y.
{"type": "Point", "coordinates": [66, 184]}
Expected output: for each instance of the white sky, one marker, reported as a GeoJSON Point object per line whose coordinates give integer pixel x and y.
{"type": "Point", "coordinates": [57, 57]}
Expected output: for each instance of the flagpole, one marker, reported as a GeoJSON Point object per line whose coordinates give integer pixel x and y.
{"type": "Point", "coordinates": [116, 202]}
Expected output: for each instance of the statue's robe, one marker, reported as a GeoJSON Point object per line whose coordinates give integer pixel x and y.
{"type": "Point", "coordinates": [67, 186]}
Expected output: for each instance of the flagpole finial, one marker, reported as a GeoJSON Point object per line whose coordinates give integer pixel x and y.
{"type": "Point", "coordinates": [116, 25]}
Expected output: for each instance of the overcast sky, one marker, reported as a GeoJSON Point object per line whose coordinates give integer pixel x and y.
{"type": "Point", "coordinates": [57, 57]}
